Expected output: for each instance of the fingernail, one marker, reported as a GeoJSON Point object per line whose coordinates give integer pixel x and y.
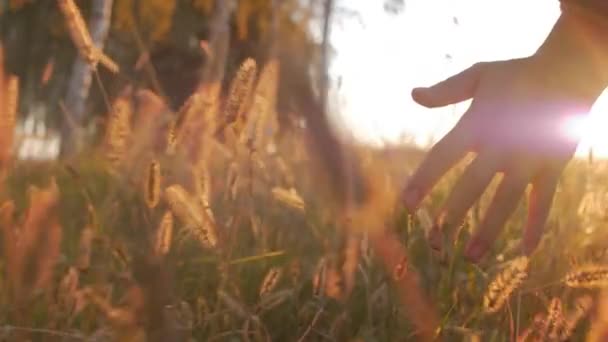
{"type": "Point", "coordinates": [410, 198]}
{"type": "Point", "coordinates": [475, 251]}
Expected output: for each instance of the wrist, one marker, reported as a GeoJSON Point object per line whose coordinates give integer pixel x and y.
{"type": "Point", "coordinates": [576, 50]}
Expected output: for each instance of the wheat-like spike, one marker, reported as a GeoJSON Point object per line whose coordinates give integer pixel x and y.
{"type": "Point", "coordinates": [152, 184]}
{"type": "Point", "coordinates": [239, 92]}
{"type": "Point", "coordinates": [118, 130]}
{"type": "Point", "coordinates": [588, 276]}
{"type": "Point", "coordinates": [555, 323]}
{"type": "Point", "coordinates": [505, 282]}
{"type": "Point", "coordinates": [164, 235]}
{"type": "Point", "coordinates": [288, 197]}
{"type": "Point", "coordinates": [271, 280]}
{"type": "Point", "coordinates": [82, 39]}
{"type": "Point", "coordinates": [191, 215]}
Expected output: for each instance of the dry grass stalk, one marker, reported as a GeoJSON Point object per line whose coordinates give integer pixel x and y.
{"type": "Point", "coordinates": [83, 261]}
{"type": "Point", "coordinates": [588, 276]}
{"type": "Point", "coordinates": [82, 39]}
{"type": "Point", "coordinates": [118, 130]}
{"type": "Point", "coordinates": [164, 235]}
{"type": "Point", "coordinates": [271, 280]}
{"type": "Point", "coordinates": [505, 283]}
{"type": "Point", "coordinates": [152, 184]}
{"type": "Point", "coordinates": [318, 278]}
{"type": "Point", "coordinates": [289, 197]}
{"type": "Point", "coordinates": [189, 212]}
{"type": "Point", "coordinates": [239, 94]}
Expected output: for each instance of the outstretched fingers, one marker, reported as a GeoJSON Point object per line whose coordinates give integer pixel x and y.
{"type": "Point", "coordinates": [504, 203]}
{"type": "Point", "coordinates": [541, 199]}
{"type": "Point", "coordinates": [465, 192]}
{"type": "Point", "coordinates": [447, 152]}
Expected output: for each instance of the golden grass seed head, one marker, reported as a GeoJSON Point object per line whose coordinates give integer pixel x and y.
{"type": "Point", "coordinates": [288, 197]}
{"type": "Point", "coordinates": [588, 276]}
{"type": "Point", "coordinates": [118, 130]}
{"type": "Point", "coordinates": [8, 115]}
{"type": "Point", "coordinates": [240, 90]}
{"type": "Point", "coordinates": [271, 280]}
{"type": "Point", "coordinates": [189, 212]}
{"type": "Point", "coordinates": [555, 323]}
{"type": "Point", "coordinates": [505, 283]}
{"type": "Point", "coordinates": [79, 33]}
{"type": "Point", "coordinates": [164, 235]}
{"type": "Point", "coordinates": [152, 184]}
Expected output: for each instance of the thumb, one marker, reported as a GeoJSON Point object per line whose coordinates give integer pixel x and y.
{"type": "Point", "coordinates": [455, 89]}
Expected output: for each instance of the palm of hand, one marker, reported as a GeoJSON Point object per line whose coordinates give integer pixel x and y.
{"type": "Point", "coordinates": [515, 125]}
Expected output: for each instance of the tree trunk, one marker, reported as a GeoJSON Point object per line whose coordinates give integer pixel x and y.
{"type": "Point", "coordinates": [81, 78]}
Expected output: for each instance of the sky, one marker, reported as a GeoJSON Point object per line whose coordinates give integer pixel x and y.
{"type": "Point", "coordinates": [380, 57]}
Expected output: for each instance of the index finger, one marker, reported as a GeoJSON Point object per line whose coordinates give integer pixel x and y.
{"type": "Point", "coordinates": [442, 157]}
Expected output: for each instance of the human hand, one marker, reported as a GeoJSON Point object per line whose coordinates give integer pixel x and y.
{"type": "Point", "coordinates": [516, 125]}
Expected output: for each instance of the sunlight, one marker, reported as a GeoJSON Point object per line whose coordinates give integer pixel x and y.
{"type": "Point", "coordinates": [374, 101]}
{"type": "Point", "coordinates": [575, 127]}
{"type": "Point", "coordinates": [592, 129]}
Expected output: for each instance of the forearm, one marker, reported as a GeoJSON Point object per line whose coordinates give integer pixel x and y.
{"type": "Point", "coordinates": [577, 48]}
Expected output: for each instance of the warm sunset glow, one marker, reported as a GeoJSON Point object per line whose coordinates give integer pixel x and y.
{"type": "Point", "coordinates": [381, 57]}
